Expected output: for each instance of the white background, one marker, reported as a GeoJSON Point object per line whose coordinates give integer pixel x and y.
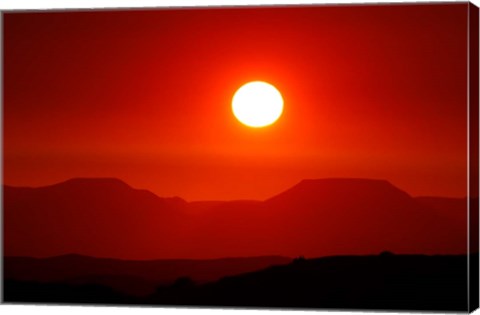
{"type": "Point", "coordinates": [97, 310]}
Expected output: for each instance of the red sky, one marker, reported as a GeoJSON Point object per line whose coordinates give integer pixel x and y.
{"type": "Point", "coordinates": [145, 96]}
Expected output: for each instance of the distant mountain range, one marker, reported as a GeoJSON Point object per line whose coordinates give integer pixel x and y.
{"type": "Point", "coordinates": [105, 217]}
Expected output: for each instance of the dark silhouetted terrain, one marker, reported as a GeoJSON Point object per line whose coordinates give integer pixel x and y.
{"type": "Point", "coordinates": [380, 282]}
{"type": "Point", "coordinates": [108, 218]}
{"type": "Point", "coordinates": [142, 232]}
{"type": "Point", "coordinates": [129, 276]}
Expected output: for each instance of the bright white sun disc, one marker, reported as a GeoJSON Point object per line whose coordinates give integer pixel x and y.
{"type": "Point", "coordinates": [257, 104]}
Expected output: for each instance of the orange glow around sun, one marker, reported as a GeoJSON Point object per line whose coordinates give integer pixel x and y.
{"type": "Point", "coordinates": [238, 117]}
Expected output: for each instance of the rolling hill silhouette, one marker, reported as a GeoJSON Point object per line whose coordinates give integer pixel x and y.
{"type": "Point", "coordinates": [132, 277]}
{"type": "Point", "coordinates": [108, 218]}
{"type": "Point", "coordinates": [375, 282]}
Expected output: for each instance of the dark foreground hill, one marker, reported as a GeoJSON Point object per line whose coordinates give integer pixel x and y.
{"type": "Point", "coordinates": [404, 282]}
{"type": "Point", "coordinates": [322, 217]}
{"type": "Point", "coordinates": [384, 282]}
{"type": "Point", "coordinates": [130, 277]}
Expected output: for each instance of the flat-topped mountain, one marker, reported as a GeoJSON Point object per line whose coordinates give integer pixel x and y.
{"type": "Point", "coordinates": [107, 190]}
{"type": "Point", "coordinates": [310, 190]}
{"type": "Point", "coordinates": [97, 217]}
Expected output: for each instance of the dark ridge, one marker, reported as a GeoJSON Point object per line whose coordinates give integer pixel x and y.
{"type": "Point", "coordinates": [314, 218]}
{"type": "Point", "coordinates": [312, 187]}
{"type": "Point", "coordinates": [374, 282]}
{"type": "Point", "coordinates": [138, 277]}
{"type": "Point", "coordinates": [97, 183]}
{"type": "Point", "coordinates": [89, 182]}
{"type": "Point", "coordinates": [77, 182]}
{"type": "Point", "coordinates": [345, 180]}
{"type": "Point", "coordinates": [345, 183]}
{"type": "Point", "coordinates": [73, 256]}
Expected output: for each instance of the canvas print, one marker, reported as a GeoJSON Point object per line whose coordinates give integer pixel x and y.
{"type": "Point", "coordinates": [292, 157]}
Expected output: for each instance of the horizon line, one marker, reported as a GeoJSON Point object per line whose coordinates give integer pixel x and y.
{"type": "Point", "coordinates": [121, 181]}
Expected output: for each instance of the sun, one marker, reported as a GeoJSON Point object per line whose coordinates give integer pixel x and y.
{"type": "Point", "coordinates": [257, 104]}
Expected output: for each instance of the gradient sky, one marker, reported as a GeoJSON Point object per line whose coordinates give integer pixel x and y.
{"type": "Point", "coordinates": [145, 96]}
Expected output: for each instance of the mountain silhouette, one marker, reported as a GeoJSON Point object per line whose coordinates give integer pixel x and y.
{"type": "Point", "coordinates": [374, 282]}
{"type": "Point", "coordinates": [95, 217]}
{"type": "Point", "coordinates": [133, 277]}
{"type": "Point", "coordinates": [108, 218]}
{"type": "Point", "coordinates": [332, 217]}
